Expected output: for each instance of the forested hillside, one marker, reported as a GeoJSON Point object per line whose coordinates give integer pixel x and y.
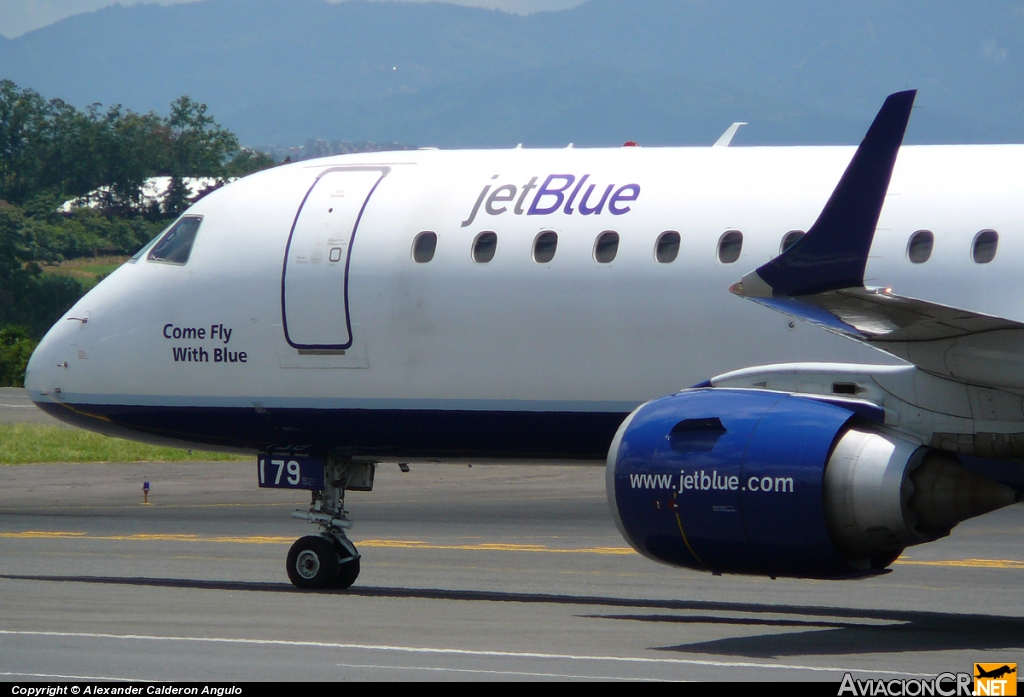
{"type": "Point", "coordinates": [51, 152]}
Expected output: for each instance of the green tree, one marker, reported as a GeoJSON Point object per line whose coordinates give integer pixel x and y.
{"type": "Point", "coordinates": [49, 152]}
{"type": "Point", "coordinates": [22, 120]}
{"type": "Point", "coordinates": [248, 161]}
{"type": "Point", "coordinates": [51, 149]}
{"type": "Point", "coordinates": [134, 148]}
{"type": "Point", "coordinates": [16, 347]}
{"type": "Point", "coordinates": [198, 147]}
{"type": "Point", "coordinates": [28, 297]}
{"type": "Point", "coordinates": [67, 151]}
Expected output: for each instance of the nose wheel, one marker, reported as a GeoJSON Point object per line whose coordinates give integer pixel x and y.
{"type": "Point", "coordinates": [348, 572]}
{"type": "Point", "coordinates": [315, 562]}
{"type": "Point", "coordinates": [312, 562]}
{"type": "Point", "coordinates": [329, 560]}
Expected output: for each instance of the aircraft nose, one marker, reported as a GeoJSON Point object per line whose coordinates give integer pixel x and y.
{"type": "Point", "coordinates": [50, 363]}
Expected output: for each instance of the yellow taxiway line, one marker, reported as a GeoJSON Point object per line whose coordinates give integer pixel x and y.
{"type": "Point", "coordinates": [263, 540]}
{"type": "Point", "coordinates": [494, 547]}
{"type": "Point", "coordinates": [972, 563]}
{"type": "Point", "coordinates": [420, 544]}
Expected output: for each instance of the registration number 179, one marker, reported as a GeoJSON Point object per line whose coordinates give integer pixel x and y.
{"type": "Point", "coordinates": [289, 472]}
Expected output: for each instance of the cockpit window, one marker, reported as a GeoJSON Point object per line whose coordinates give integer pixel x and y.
{"type": "Point", "coordinates": [148, 246]}
{"type": "Point", "coordinates": [176, 244]}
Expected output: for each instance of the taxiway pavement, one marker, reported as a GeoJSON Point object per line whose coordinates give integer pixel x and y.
{"type": "Point", "coordinates": [17, 407]}
{"type": "Point", "coordinates": [490, 572]}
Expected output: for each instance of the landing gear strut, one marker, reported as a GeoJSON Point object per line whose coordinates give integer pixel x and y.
{"type": "Point", "coordinates": [330, 560]}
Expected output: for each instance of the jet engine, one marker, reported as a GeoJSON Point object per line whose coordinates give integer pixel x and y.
{"type": "Point", "coordinates": [758, 482]}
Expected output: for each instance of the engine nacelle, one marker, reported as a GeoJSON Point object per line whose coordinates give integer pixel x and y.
{"type": "Point", "coordinates": [759, 482]}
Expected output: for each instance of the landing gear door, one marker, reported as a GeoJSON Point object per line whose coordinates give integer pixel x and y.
{"type": "Point", "coordinates": [314, 285]}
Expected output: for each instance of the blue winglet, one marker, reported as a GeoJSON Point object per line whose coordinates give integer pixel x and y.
{"type": "Point", "coordinates": [834, 252]}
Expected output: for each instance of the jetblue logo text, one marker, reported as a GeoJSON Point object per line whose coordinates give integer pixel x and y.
{"type": "Point", "coordinates": [559, 192]}
{"type": "Point", "coordinates": [701, 480]}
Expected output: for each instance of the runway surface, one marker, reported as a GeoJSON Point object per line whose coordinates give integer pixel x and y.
{"type": "Point", "coordinates": [490, 572]}
{"type": "Point", "coordinates": [16, 407]}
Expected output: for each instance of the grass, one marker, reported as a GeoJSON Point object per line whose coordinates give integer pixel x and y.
{"type": "Point", "coordinates": [31, 443]}
{"type": "Point", "coordinates": [88, 270]}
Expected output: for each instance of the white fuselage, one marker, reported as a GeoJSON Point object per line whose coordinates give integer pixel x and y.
{"type": "Point", "coordinates": [510, 335]}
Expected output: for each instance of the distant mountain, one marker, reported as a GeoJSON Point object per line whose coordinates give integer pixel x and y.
{"type": "Point", "coordinates": [656, 71]}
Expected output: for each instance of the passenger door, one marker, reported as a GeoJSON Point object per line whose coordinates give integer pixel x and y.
{"type": "Point", "coordinates": [314, 283]}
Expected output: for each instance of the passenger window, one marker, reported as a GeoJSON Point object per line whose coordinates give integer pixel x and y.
{"type": "Point", "coordinates": [667, 248]}
{"type": "Point", "coordinates": [484, 246]}
{"type": "Point", "coordinates": [729, 246]}
{"type": "Point", "coordinates": [919, 248]}
{"type": "Point", "coordinates": [423, 247]}
{"type": "Point", "coordinates": [985, 244]}
{"type": "Point", "coordinates": [606, 247]}
{"type": "Point", "coordinates": [176, 244]}
{"type": "Point", "coordinates": [789, 239]}
{"type": "Point", "coordinates": [544, 247]}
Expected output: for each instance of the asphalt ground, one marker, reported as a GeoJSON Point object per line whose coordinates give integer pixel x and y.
{"type": "Point", "coordinates": [16, 407]}
{"type": "Point", "coordinates": [496, 572]}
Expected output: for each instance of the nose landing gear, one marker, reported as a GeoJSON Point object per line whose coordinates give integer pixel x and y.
{"type": "Point", "coordinates": [330, 560]}
{"type": "Point", "coordinates": [312, 562]}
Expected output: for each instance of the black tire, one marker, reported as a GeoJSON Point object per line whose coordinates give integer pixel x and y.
{"type": "Point", "coordinates": [312, 562]}
{"type": "Point", "coordinates": [348, 572]}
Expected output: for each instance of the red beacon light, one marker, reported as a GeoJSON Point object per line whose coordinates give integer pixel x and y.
{"type": "Point", "coordinates": [631, 144]}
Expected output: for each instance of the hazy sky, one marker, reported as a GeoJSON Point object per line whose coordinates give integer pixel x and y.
{"type": "Point", "coordinates": [20, 16]}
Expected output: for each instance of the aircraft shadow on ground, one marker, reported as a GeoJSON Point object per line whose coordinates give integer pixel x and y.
{"type": "Point", "coordinates": [906, 631]}
{"type": "Point", "coordinates": [829, 631]}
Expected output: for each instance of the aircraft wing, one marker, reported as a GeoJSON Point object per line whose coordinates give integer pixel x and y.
{"type": "Point", "coordinates": [820, 279]}
{"type": "Point", "coordinates": [877, 316]}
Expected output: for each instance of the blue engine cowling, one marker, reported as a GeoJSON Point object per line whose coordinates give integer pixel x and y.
{"type": "Point", "coordinates": [731, 481]}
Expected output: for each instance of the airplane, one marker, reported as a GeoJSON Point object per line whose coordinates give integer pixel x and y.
{"type": "Point", "coordinates": [995, 673]}
{"type": "Point", "coordinates": [847, 317]}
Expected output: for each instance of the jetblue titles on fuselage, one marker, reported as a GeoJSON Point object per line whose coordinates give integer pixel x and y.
{"type": "Point", "coordinates": [556, 193]}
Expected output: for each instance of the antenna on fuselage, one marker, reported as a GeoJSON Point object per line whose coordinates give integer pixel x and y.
{"type": "Point", "coordinates": [727, 137]}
